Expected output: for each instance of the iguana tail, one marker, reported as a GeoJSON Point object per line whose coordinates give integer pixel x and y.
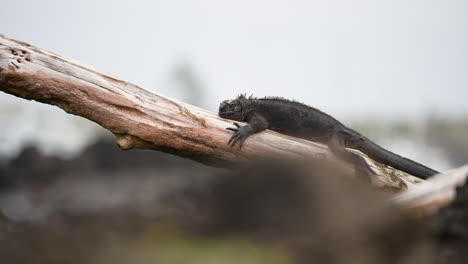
{"type": "Point", "coordinates": [386, 157]}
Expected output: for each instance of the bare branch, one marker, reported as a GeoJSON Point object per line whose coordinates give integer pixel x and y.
{"type": "Point", "coordinates": [435, 193]}
{"type": "Point", "coordinates": [142, 119]}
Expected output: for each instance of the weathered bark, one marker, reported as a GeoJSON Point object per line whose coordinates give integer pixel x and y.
{"type": "Point", "coordinates": [437, 192]}
{"type": "Point", "coordinates": [140, 118]}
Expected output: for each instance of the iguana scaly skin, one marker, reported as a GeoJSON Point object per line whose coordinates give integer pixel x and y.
{"type": "Point", "coordinates": [302, 121]}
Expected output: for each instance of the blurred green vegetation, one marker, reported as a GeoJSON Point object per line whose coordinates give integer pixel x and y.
{"type": "Point", "coordinates": [163, 244]}
{"type": "Point", "coordinates": [95, 241]}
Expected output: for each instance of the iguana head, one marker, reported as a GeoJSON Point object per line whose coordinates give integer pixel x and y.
{"type": "Point", "coordinates": [234, 109]}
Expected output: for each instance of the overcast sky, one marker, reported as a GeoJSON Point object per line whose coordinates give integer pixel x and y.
{"type": "Point", "coordinates": [345, 57]}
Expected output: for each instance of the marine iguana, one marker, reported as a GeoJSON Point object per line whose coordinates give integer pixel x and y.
{"type": "Point", "coordinates": [299, 120]}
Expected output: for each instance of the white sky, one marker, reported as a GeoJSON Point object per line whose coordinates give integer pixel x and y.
{"type": "Point", "coordinates": [349, 58]}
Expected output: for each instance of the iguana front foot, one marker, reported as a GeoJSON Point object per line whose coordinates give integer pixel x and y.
{"type": "Point", "coordinates": [240, 134]}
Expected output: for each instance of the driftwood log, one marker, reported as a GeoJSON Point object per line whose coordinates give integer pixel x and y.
{"type": "Point", "coordinates": [431, 195]}
{"type": "Point", "coordinates": [143, 119]}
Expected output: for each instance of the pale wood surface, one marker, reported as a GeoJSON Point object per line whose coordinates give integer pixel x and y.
{"type": "Point", "coordinates": [143, 119]}
{"type": "Point", "coordinates": [436, 192]}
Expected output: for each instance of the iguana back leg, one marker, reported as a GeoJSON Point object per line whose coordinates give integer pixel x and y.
{"type": "Point", "coordinates": [338, 147]}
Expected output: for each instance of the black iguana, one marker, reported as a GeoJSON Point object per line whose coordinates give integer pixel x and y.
{"type": "Point", "coordinates": [302, 121]}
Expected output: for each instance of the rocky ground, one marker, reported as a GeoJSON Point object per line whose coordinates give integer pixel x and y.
{"type": "Point", "coordinates": [143, 206]}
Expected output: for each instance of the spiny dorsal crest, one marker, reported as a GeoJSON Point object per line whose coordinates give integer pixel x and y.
{"type": "Point", "coordinates": [244, 97]}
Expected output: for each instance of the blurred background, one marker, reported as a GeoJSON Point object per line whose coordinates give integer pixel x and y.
{"type": "Point", "coordinates": [393, 70]}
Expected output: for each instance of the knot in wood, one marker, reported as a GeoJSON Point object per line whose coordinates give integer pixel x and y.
{"type": "Point", "coordinates": [125, 141]}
